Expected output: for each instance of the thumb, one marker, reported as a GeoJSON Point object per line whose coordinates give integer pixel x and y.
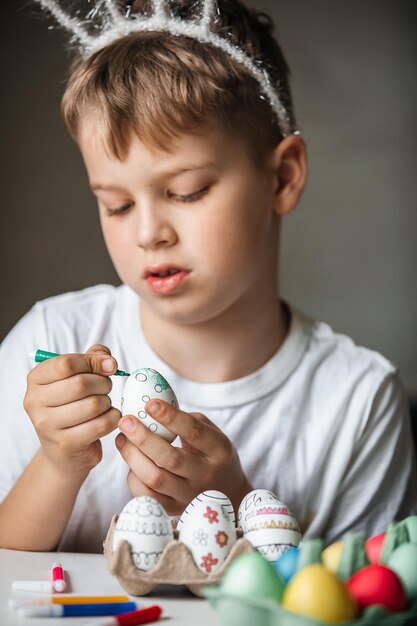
{"type": "Point", "coordinates": [100, 361]}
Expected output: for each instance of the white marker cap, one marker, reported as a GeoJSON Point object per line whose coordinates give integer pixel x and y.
{"type": "Point", "coordinates": [43, 586]}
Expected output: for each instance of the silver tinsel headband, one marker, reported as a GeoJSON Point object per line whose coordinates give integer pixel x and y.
{"type": "Point", "coordinates": [115, 25]}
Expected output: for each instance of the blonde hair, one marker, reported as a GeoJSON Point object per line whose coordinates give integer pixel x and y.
{"type": "Point", "coordinates": [154, 85]}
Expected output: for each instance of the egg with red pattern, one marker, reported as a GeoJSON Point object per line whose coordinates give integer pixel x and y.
{"type": "Point", "coordinates": [209, 533]}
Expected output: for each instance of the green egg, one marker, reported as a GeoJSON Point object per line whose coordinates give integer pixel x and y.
{"type": "Point", "coordinates": [252, 576]}
{"type": "Point", "coordinates": [404, 563]}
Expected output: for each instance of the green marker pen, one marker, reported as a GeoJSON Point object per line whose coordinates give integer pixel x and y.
{"type": "Point", "coordinates": [42, 355]}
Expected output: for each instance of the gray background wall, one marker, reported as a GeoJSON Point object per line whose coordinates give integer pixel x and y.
{"type": "Point", "coordinates": [349, 251]}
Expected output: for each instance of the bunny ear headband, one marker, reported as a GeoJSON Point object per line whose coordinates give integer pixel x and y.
{"type": "Point", "coordinates": [114, 24]}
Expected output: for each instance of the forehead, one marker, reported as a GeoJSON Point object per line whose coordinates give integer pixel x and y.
{"type": "Point", "coordinates": [202, 147]}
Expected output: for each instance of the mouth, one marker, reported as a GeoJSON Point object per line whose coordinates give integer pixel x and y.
{"type": "Point", "coordinates": [165, 279]}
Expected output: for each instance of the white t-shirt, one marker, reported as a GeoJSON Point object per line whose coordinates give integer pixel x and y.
{"type": "Point", "coordinates": [323, 424]}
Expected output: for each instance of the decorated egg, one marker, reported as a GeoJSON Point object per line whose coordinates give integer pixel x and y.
{"type": "Point", "coordinates": [209, 533]}
{"type": "Point", "coordinates": [286, 565]}
{"type": "Point", "coordinates": [377, 584]}
{"type": "Point", "coordinates": [209, 496]}
{"type": "Point", "coordinates": [252, 576]}
{"type": "Point", "coordinates": [252, 499]}
{"type": "Point", "coordinates": [315, 592]}
{"type": "Point", "coordinates": [403, 560]}
{"type": "Point", "coordinates": [141, 386]}
{"type": "Point", "coordinates": [271, 529]}
{"type": "Point", "coordinates": [145, 525]}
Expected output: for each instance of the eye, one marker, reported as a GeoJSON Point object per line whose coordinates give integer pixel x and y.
{"type": "Point", "coordinates": [191, 197]}
{"type": "Point", "coordinates": [119, 210]}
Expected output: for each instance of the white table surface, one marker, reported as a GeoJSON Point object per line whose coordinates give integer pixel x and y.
{"type": "Point", "coordinates": [88, 575]}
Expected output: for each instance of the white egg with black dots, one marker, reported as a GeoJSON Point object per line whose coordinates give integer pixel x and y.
{"type": "Point", "coordinates": [142, 385]}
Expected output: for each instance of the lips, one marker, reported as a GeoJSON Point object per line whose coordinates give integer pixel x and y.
{"type": "Point", "coordinates": [165, 279]}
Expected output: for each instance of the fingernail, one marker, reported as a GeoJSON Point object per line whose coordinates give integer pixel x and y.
{"type": "Point", "coordinates": [153, 407]}
{"type": "Point", "coordinates": [107, 365]}
{"type": "Point", "coordinates": [120, 441]}
{"type": "Point", "coordinates": [127, 424]}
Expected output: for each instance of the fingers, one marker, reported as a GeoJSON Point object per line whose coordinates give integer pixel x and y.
{"type": "Point", "coordinates": [76, 387]}
{"type": "Point", "coordinates": [92, 430]}
{"type": "Point", "coordinates": [159, 451]}
{"type": "Point", "coordinates": [155, 477]}
{"type": "Point", "coordinates": [193, 428]}
{"type": "Point", "coordinates": [138, 488]}
{"type": "Point", "coordinates": [97, 360]}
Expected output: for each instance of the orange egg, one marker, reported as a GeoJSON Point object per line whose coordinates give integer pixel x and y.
{"type": "Point", "coordinates": [373, 547]}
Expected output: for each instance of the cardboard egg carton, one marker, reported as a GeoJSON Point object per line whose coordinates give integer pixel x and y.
{"type": "Point", "coordinates": [176, 565]}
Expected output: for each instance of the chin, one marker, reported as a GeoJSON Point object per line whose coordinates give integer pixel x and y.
{"type": "Point", "coordinates": [179, 310]}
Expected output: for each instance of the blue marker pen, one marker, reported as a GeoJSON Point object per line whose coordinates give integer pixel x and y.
{"type": "Point", "coordinates": [43, 355]}
{"type": "Point", "coordinates": [78, 610]}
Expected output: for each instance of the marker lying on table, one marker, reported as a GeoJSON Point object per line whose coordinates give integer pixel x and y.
{"type": "Point", "coordinates": [43, 586]}
{"type": "Point", "coordinates": [73, 610]}
{"type": "Point", "coordinates": [43, 355]}
{"type": "Point", "coordinates": [35, 600]}
{"type": "Point", "coordinates": [142, 616]}
{"type": "Point", "coordinates": [58, 580]}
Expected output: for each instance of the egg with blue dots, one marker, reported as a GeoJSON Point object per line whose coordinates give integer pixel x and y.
{"type": "Point", "coordinates": [142, 385]}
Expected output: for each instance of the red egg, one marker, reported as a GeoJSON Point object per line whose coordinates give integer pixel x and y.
{"type": "Point", "coordinates": [373, 547]}
{"type": "Point", "coordinates": [377, 584]}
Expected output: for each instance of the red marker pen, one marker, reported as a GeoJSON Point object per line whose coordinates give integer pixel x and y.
{"type": "Point", "coordinates": [58, 580]}
{"type": "Point", "coordinates": [140, 616]}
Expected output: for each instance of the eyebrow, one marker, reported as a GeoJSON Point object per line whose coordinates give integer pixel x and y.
{"type": "Point", "coordinates": [162, 173]}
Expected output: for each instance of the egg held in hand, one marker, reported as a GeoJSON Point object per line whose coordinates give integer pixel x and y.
{"type": "Point", "coordinates": [146, 526]}
{"type": "Point", "coordinates": [318, 593]}
{"type": "Point", "coordinates": [143, 385]}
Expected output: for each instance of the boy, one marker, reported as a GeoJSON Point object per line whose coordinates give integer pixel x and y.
{"type": "Point", "coordinates": [194, 159]}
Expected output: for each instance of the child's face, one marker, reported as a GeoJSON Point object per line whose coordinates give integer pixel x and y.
{"type": "Point", "coordinates": [202, 210]}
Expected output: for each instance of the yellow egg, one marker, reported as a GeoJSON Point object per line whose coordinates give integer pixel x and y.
{"type": "Point", "coordinates": [315, 592]}
{"type": "Point", "coordinates": [331, 556]}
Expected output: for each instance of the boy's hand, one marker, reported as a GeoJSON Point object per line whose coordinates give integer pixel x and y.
{"type": "Point", "coordinates": [67, 401]}
{"type": "Point", "coordinates": [172, 475]}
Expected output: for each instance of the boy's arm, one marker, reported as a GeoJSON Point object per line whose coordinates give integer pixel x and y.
{"type": "Point", "coordinates": [36, 511]}
{"type": "Point", "coordinates": [39, 488]}
{"type": "Point", "coordinates": [380, 485]}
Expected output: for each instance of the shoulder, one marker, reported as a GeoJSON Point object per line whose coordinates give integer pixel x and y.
{"type": "Point", "coordinates": [340, 382]}
{"type": "Point", "coordinates": [336, 356]}
{"type": "Point", "coordinates": [73, 301]}
{"type": "Point", "coordinates": [67, 322]}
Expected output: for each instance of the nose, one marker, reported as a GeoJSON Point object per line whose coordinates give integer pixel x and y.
{"type": "Point", "coordinates": [154, 229]}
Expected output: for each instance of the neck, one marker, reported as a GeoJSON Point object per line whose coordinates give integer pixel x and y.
{"type": "Point", "coordinates": [220, 349]}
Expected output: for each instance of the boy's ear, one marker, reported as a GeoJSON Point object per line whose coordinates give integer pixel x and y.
{"type": "Point", "coordinates": [290, 173]}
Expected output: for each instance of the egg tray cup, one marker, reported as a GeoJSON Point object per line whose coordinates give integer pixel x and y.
{"type": "Point", "coordinates": [236, 610]}
{"type": "Point", "coordinates": [176, 566]}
